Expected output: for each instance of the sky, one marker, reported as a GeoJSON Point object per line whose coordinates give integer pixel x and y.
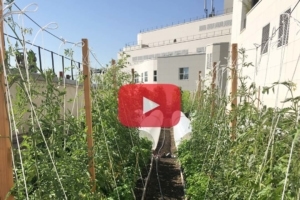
{"type": "Point", "coordinates": [107, 24]}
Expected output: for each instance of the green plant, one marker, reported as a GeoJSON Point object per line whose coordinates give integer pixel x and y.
{"type": "Point", "coordinates": [261, 163]}
{"type": "Point", "coordinates": [54, 149]}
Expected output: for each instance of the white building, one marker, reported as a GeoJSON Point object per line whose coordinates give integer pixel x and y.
{"type": "Point", "coordinates": [177, 53]}
{"type": "Point", "coordinates": [271, 39]}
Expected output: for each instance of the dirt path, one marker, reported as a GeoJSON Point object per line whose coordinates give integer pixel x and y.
{"type": "Point", "coordinates": [169, 185]}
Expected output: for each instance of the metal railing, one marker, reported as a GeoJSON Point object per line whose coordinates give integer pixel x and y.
{"type": "Point", "coordinates": [217, 13]}
{"type": "Point", "coordinates": [180, 40]}
{"type": "Point", "coordinates": [62, 59]}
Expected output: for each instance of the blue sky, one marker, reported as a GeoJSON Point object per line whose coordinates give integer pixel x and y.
{"type": "Point", "coordinates": [107, 24]}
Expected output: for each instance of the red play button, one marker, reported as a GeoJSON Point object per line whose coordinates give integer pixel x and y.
{"type": "Point", "coordinates": [148, 105]}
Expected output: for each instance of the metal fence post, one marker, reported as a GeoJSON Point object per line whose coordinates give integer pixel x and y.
{"type": "Point", "coordinates": [52, 62]}
{"type": "Point", "coordinates": [72, 70]}
{"type": "Point", "coordinates": [40, 58]}
{"type": "Point", "coordinates": [63, 64]}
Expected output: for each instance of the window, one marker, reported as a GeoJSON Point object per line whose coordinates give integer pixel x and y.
{"type": "Point", "coordinates": [218, 24]}
{"type": "Point", "coordinates": [228, 23]}
{"type": "Point", "coordinates": [210, 26]}
{"type": "Point", "coordinates": [265, 39]}
{"type": "Point", "coordinates": [169, 54]}
{"type": "Point", "coordinates": [254, 2]}
{"type": "Point", "coordinates": [183, 73]}
{"type": "Point", "coordinates": [136, 78]}
{"type": "Point", "coordinates": [146, 77]}
{"type": "Point", "coordinates": [202, 28]}
{"type": "Point", "coordinates": [283, 32]}
{"type": "Point", "coordinates": [201, 50]}
{"type": "Point", "coordinates": [155, 75]}
{"type": "Point", "coordinates": [208, 61]}
{"type": "Point", "coordinates": [244, 23]}
{"type": "Point", "coordinates": [185, 52]}
{"type": "Point", "coordinates": [177, 53]}
{"type": "Point", "coordinates": [142, 78]}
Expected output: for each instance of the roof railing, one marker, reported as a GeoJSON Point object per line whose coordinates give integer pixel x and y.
{"type": "Point", "coordinates": [217, 13]}
{"type": "Point", "coordinates": [180, 40]}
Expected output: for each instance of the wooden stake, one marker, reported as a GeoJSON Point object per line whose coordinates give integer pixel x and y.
{"type": "Point", "coordinates": [6, 172]}
{"type": "Point", "coordinates": [88, 109]}
{"type": "Point", "coordinates": [199, 86]}
{"type": "Point", "coordinates": [234, 88]}
{"type": "Point", "coordinates": [199, 90]}
{"type": "Point", "coordinates": [213, 85]}
{"type": "Point", "coordinates": [258, 97]}
{"type": "Point", "coordinates": [113, 63]}
{"type": "Point", "coordinates": [132, 74]}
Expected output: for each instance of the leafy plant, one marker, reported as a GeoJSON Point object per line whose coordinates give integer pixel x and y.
{"type": "Point", "coordinates": [54, 162]}
{"type": "Point", "coordinates": [261, 163]}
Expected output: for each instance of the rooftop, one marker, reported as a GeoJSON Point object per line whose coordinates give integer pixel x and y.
{"type": "Point", "coordinates": [217, 13]}
{"type": "Point", "coordinates": [180, 40]}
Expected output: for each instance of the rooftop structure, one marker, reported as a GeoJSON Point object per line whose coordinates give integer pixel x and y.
{"type": "Point", "coordinates": [175, 54]}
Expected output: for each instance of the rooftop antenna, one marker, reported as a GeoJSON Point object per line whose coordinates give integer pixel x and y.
{"type": "Point", "coordinates": [212, 9]}
{"type": "Point", "coordinates": [205, 8]}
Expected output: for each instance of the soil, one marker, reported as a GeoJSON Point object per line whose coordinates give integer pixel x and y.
{"type": "Point", "coordinates": [168, 171]}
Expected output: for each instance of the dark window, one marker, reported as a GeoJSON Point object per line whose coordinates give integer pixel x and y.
{"type": "Point", "coordinates": [146, 77]}
{"type": "Point", "coordinates": [155, 75]}
{"type": "Point", "coordinates": [265, 39]}
{"type": "Point", "coordinates": [183, 73]}
{"type": "Point", "coordinates": [283, 32]}
{"type": "Point", "coordinates": [254, 2]}
{"type": "Point", "coordinates": [136, 78]}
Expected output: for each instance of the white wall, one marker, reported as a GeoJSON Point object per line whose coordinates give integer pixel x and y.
{"type": "Point", "coordinates": [168, 70]}
{"type": "Point", "coordinates": [279, 63]}
{"type": "Point", "coordinates": [189, 36]}
{"type": "Point", "coordinates": [191, 46]}
{"type": "Point", "coordinates": [146, 66]}
{"type": "Point", "coordinates": [182, 30]}
{"type": "Point", "coordinates": [72, 93]}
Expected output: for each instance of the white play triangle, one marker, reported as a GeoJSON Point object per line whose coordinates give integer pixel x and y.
{"type": "Point", "coordinates": [148, 105]}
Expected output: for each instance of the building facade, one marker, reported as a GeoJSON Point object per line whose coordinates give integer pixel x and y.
{"type": "Point", "coordinates": [268, 30]}
{"type": "Point", "coordinates": [177, 53]}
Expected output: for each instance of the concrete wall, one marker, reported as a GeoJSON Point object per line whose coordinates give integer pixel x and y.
{"type": "Point", "coordinates": [73, 106]}
{"type": "Point", "coordinates": [147, 66]}
{"type": "Point", "coordinates": [220, 56]}
{"type": "Point", "coordinates": [217, 53]}
{"type": "Point", "coordinates": [279, 63]}
{"type": "Point", "coordinates": [183, 30]}
{"type": "Point", "coordinates": [166, 73]}
{"type": "Point", "coordinates": [189, 37]}
{"type": "Point", "coordinates": [191, 46]}
{"type": "Point", "coordinates": [176, 46]}
{"type": "Point", "coordinates": [168, 70]}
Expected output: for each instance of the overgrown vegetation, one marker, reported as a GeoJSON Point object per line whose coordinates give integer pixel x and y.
{"type": "Point", "coordinates": [261, 163]}
{"type": "Point", "coordinates": [54, 160]}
